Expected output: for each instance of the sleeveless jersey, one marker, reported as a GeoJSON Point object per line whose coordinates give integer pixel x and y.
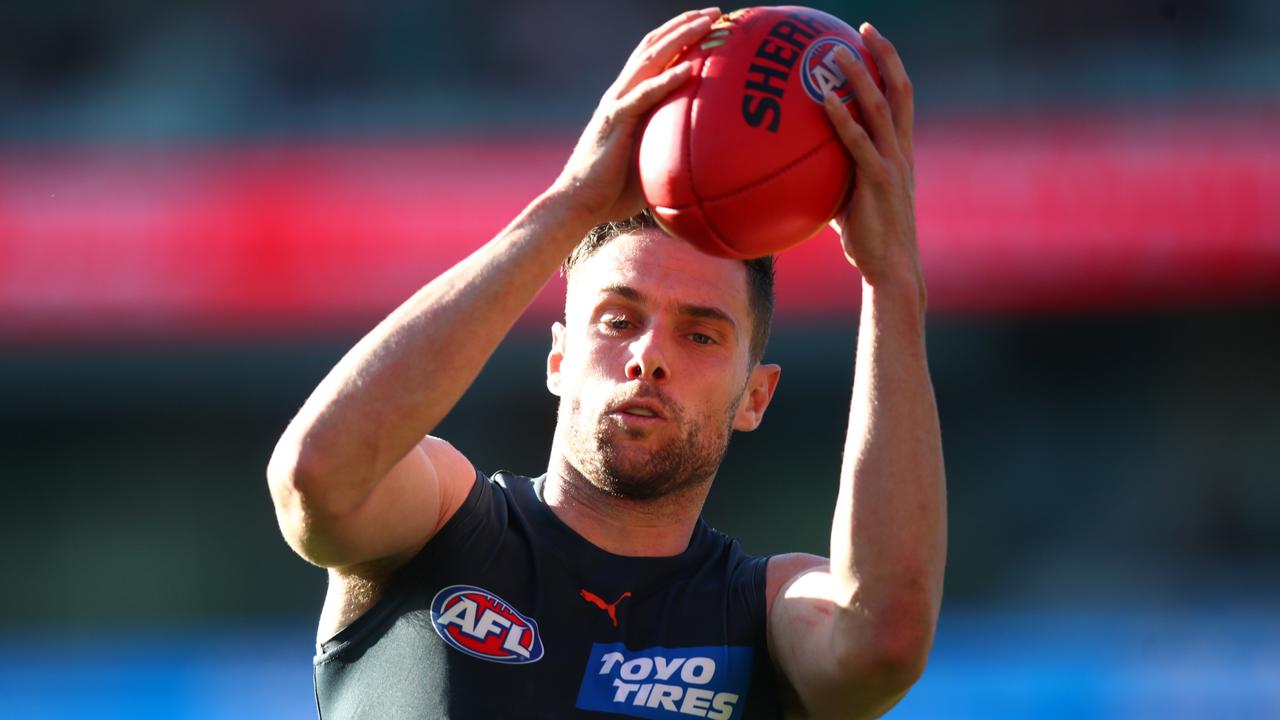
{"type": "Point", "coordinates": [509, 613]}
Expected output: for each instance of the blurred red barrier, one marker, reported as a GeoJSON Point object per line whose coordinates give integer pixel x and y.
{"type": "Point", "coordinates": [1090, 214]}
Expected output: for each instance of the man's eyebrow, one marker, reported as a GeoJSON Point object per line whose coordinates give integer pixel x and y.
{"type": "Point", "coordinates": [708, 313]}
{"type": "Point", "coordinates": [625, 291]}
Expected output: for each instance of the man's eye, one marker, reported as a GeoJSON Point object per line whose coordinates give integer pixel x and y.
{"type": "Point", "coordinates": [618, 323]}
{"type": "Point", "coordinates": [702, 339]}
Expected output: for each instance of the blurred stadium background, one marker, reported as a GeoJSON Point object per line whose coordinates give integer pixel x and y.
{"type": "Point", "coordinates": [202, 205]}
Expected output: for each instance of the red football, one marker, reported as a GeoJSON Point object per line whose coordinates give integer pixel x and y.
{"type": "Point", "coordinates": [742, 160]}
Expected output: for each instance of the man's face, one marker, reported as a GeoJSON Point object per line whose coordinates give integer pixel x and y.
{"type": "Point", "coordinates": [652, 365]}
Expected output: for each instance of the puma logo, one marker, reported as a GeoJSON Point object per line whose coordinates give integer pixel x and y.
{"type": "Point", "coordinates": [611, 608]}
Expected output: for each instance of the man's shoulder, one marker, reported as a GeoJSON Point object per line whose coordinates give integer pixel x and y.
{"type": "Point", "coordinates": [493, 503]}
{"type": "Point", "coordinates": [521, 490]}
{"type": "Point", "coordinates": [485, 487]}
{"type": "Point", "coordinates": [513, 481]}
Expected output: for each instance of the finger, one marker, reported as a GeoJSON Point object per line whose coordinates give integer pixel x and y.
{"type": "Point", "coordinates": [660, 54]}
{"type": "Point", "coordinates": [650, 92]}
{"type": "Point", "coordinates": [661, 32]}
{"type": "Point", "coordinates": [856, 139]}
{"type": "Point", "coordinates": [648, 60]}
{"type": "Point", "coordinates": [873, 108]}
{"type": "Point", "coordinates": [897, 85]}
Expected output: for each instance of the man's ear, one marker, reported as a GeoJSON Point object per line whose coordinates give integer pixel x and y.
{"type": "Point", "coordinates": [755, 399]}
{"type": "Point", "coordinates": [555, 357]}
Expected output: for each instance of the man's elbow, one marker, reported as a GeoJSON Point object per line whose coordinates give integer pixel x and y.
{"type": "Point", "coordinates": [301, 482]}
{"type": "Point", "coordinates": [901, 652]}
{"type": "Point", "coordinates": [873, 673]}
{"type": "Point", "coordinates": [308, 504]}
{"type": "Point", "coordinates": [893, 655]}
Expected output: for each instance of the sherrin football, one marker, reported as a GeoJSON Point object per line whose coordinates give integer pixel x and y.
{"type": "Point", "coordinates": [742, 160]}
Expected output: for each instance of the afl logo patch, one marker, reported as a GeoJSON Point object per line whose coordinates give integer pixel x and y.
{"type": "Point", "coordinates": [485, 626]}
{"type": "Point", "coordinates": [819, 71]}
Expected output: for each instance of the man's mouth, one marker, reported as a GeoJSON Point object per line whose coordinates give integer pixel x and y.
{"type": "Point", "coordinates": [639, 408]}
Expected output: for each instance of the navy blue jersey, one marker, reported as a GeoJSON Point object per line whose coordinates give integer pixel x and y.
{"type": "Point", "coordinates": [509, 613]}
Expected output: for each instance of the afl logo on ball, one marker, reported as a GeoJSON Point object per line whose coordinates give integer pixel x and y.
{"type": "Point", "coordinates": [485, 626]}
{"type": "Point", "coordinates": [820, 72]}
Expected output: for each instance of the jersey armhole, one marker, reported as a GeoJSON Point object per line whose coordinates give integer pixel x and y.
{"type": "Point", "coordinates": [460, 525]}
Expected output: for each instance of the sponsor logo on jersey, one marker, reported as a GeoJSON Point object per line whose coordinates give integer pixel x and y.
{"type": "Point", "coordinates": [821, 72]}
{"type": "Point", "coordinates": [666, 683]}
{"type": "Point", "coordinates": [483, 625]}
{"type": "Point", "coordinates": [610, 608]}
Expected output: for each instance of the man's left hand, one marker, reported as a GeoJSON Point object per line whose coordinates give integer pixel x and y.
{"type": "Point", "coordinates": [878, 226]}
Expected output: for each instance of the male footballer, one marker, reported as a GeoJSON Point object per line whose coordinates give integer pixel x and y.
{"type": "Point", "coordinates": [596, 590]}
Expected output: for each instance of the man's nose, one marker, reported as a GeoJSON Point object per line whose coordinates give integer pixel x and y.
{"type": "Point", "coordinates": [646, 361]}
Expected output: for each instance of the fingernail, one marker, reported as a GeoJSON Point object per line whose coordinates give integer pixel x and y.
{"type": "Point", "coordinates": [868, 26]}
{"type": "Point", "coordinates": [845, 54]}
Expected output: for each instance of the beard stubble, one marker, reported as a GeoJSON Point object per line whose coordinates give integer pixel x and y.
{"type": "Point", "coordinates": [689, 458]}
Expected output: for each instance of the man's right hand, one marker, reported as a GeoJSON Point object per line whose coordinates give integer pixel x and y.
{"type": "Point", "coordinates": [600, 178]}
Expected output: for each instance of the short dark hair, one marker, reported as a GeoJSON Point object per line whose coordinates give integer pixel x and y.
{"type": "Point", "coordinates": [759, 273]}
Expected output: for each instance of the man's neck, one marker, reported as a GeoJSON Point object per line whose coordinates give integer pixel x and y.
{"type": "Point", "coordinates": [639, 528]}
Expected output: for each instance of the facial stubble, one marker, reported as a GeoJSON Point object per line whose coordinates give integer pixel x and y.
{"type": "Point", "coordinates": [690, 458]}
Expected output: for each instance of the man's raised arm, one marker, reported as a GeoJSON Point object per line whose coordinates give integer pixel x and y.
{"type": "Point", "coordinates": [352, 478]}
{"type": "Point", "coordinates": [852, 635]}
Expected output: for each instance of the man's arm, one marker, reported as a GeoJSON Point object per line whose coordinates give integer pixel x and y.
{"type": "Point", "coordinates": [852, 635]}
{"type": "Point", "coordinates": [352, 478]}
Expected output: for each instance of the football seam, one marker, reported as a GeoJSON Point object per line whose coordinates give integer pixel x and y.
{"type": "Point", "coordinates": [688, 131]}
{"type": "Point", "coordinates": [716, 235]}
{"type": "Point", "coordinates": [757, 183]}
